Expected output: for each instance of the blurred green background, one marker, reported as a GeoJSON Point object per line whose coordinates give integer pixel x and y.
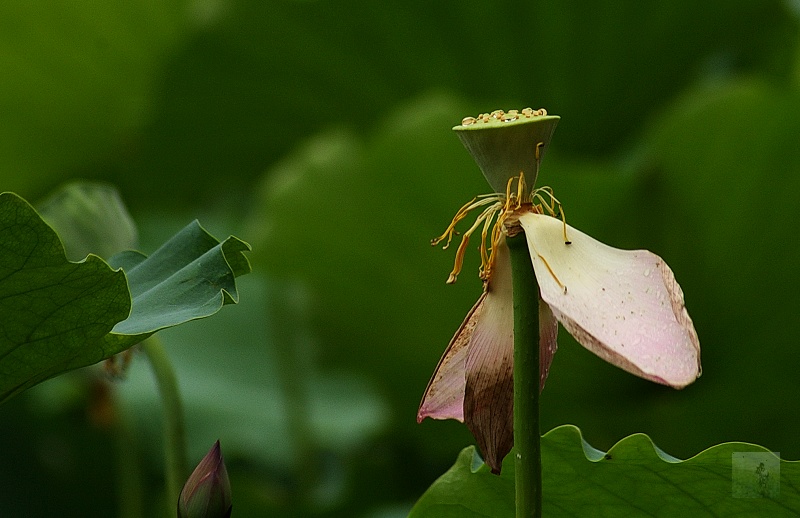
{"type": "Point", "coordinates": [319, 131]}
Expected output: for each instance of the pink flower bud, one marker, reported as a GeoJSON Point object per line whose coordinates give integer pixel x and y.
{"type": "Point", "coordinates": [207, 492]}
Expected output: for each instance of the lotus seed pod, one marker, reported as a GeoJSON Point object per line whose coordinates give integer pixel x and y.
{"type": "Point", "coordinates": [505, 144]}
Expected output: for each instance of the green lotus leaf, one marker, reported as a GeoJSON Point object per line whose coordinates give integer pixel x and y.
{"type": "Point", "coordinates": [59, 315]}
{"type": "Point", "coordinates": [89, 218]}
{"type": "Point", "coordinates": [634, 478]}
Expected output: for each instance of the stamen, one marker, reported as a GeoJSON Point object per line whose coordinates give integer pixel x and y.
{"type": "Point", "coordinates": [564, 224]}
{"type": "Point", "coordinates": [499, 209]}
{"type": "Point", "coordinates": [555, 277]}
{"type": "Point", "coordinates": [448, 233]}
{"type": "Point", "coordinates": [508, 191]}
{"type": "Point", "coordinates": [461, 214]}
{"type": "Point", "coordinates": [486, 261]}
{"type": "Point", "coordinates": [552, 207]}
{"type": "Point", "coordinates": [486, 215]}
{"type": "Point", "coordinates": [515, 200]}
{"type": "Point", "coordinates": [496, 235]}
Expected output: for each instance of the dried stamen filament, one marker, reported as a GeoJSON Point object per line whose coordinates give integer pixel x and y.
{"type": "Point", "coordinates": [499, 209]}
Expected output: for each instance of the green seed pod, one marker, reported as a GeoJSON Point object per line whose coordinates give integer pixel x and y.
{"type": "Point", "coordinates": [505, 144]}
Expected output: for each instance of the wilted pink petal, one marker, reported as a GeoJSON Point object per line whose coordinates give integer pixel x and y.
{"type": "Point", "coordinates": [548, 332]}
{"type": "Point", "coordinates": [444, 396]}
{"type": "Point", "coordinates": [625, 306]}
{"type": "Point", "coordinates": [489, 395]}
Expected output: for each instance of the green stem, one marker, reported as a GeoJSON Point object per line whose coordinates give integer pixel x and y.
{"type": "Point", "coordinates": [174, 428]}
{"type": "Point", "coordinates": [294, 368]}
{"type": "Point", "coordinates": [129, 472]}
{"type": "Point", "coordinates": [526, 381]}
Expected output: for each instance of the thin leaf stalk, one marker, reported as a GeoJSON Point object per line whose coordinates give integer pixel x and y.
{"type": "Point", "coordinates": [175, 457]}
{"type": "Point", "coordinates": [129, 473]}
{"type": "Point", "coordinates": [294, 368]}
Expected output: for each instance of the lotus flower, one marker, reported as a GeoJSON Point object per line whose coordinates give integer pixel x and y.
{"type": "Point", "coordinates": [624, 306]}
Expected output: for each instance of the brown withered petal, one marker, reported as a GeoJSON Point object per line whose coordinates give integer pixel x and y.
{"type": "Point", "coordinates": [473, 382]}
{"type": "Point", "coordinates": [489, 392]}
{"type": "Point", "coordinates": [444, 396]}
{"type": "Point", "coordinates": [489, 404]}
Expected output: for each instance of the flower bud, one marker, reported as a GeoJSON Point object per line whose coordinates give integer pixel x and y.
{"type": "Point", "coordinates": [207, 492]}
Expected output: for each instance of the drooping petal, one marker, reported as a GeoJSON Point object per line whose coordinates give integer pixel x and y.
{"type": "Point", "coordinates": [548, 332]}
{"type": "Point", "coordinates": [489, 394]}
{"type": "Point", "coordinates": [444, 396]}
{"type": "Point", "coordinates": [473, 381]}
{"type": "Point", "coordinates": [625, 306]}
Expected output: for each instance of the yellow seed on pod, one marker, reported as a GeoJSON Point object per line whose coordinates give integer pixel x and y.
{"type": "Point", "coordinates": [466, 121]}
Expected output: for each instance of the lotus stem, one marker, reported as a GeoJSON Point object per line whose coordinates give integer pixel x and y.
{"type": "Point", "coordinates": [175, 459]}
{"type": "Point", "coordinates": [528, 461]}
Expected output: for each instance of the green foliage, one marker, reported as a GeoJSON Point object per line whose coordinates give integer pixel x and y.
{"type": "Point", "coordinates": [380, 202]}
{"type": "Point", "coordinates": [56, 313]}
{"type": "Point", "coordinates": [60, 315]}
{"type": "Point", "coordinates": [81, 77]}
{"type": "Point", "coordinates": [195, 88]}
{"type": "Point", "coordinates": [373, 208]}
{"type": "Point", "coordinates": [89, 218]}
{"type": "Point", "coordinates": [678, 133]}
{"type": "Point", "coordinates": [234, 371]}
{"type": "Point", "coordinates": [191, 276]}
{"type": "Point", "coordinates": [634, 478]}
